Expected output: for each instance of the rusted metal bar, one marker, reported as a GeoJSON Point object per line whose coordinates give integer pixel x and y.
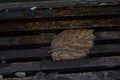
{"type": "Point", "coordinates": [59, 7]}
{"type": "Point", "coordinates": [6, 13]}
{"type": "Point", "coordinates": [97, 51]}
{"type": "Point", "coordinates": [100, 39]}
{"type": "Point", "coordinates": [57, 4]}
{"type": "Point", "coordinates": [64, 66]}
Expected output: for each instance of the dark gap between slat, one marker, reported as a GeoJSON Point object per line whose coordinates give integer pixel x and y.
{"type": "Point", "coordinates": [36, 46]}
{"type": "Point", "coordinates": [109, 41]}
{"type": "Point", "coordinates": [19, 60]}
{"type": "Point", "coordinates": [85, 69]}
{"type": "Point", "coordinates": [56, 31]}
{"type": "Point", "coordinates": [26, 46]}
{"type": "Point", "coordinates": [109, 54]}
{"type": "Point", "coordinates": [60, 18]}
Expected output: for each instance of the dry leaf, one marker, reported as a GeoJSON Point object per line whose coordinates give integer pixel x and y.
{"type": "Point", "coordinates": [72, 44]}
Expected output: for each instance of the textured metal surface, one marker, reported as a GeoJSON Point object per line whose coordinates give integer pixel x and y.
{"type": "Point", "coordinates": [58, 3]}
{"type": "Point", "coordinates": [27, 28]}
{"type": "Point", "coordinates": [37, 54]}
{"type": "Point", "coordinates": [93, 64]}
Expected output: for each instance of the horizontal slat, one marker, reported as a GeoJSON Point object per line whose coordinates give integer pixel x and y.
{"type": "Point", "coordinates": [58, 24]}
{"type": "Point", "coordinates": [57, 30]}
{"type": "Point", "coordinates": [6, 13]}
{"type": "Point", "coordinates": [103, 37]}
{"type": "Point", "coordinates": [97, 51]}
{"type": "Point", "coordinates": [63, 7]}
{"type": "Point", "coordinates": [30, 53]}
{"type": "Point", "coordinates": [99, 63]}
{"type": "Point", "coordinates": [61, 18]}
{"type": "Point", "coordinates": [10, 1]}
{"type": "Point", "coordinates": [64, 66]}
{"type": "Point", "coordinates": [106, 35]}
{"type": "Point", "coordinates": [55, 4]}
{"type": "Point", "coordinates": [105, 50]}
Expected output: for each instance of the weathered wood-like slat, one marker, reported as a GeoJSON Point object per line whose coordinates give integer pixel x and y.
{"type": "Point", "coordinates": [10, 68]}
{"type": "Point", "coordinates": [115, 7]}
{"type": "Point", "coordinates": [83, 10]}
{"type": "Point", "coordinates": [65, 66]}
{"type": "Point", "coordinates": [61, 18]}
{"type": "Point", "coordinates": [106, 48]}
{"type": "Point", "coordinates": [10, 1]}
{"type": "Point", "coordinates": [54, 4]}
{"type": "Point", "coordinates": [103, 37]}
{"type": "Point", "coordinates": [97, 51]}
{"type": "Point", "coordinates": [106, 35]}
{"type": "Point", "coordinates": [100, 64]}
{"type": "Point", "coordinates": [28, 53]}
{"type": "Point", "coordinates": [38, 32]}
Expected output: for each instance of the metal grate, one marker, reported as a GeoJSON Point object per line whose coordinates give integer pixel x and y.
{"type": "Point", "coordinates": [34, 57]}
